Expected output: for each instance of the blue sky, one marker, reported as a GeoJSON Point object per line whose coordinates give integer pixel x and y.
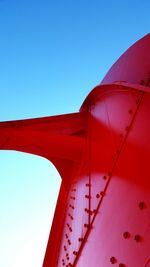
{"type": "Point", "coordinates": [52, 53]}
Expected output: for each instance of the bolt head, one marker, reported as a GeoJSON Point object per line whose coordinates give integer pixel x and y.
{"type": "Point", "coordinates": [113, 260]}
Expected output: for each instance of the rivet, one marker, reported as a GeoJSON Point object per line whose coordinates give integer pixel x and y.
{"type": "Point", "coordinates": [65, 248]}
{"type": "Point", "coordinates": [126, 235]}
{"type": "Point", "coordinates": [86, 225]}
{"type": "Point", "coordinates": [80, 239]}
{"type": "Point", "coordinates": [66, 236]}
{"type": "Point", "coordinates": [71, 207]}
{"type": "Point", "coordinates": [113, 260]}
{"type": "Point", "coordinates": [141, 205]}
{"type": "Point", "coordinates": [122, 265]}
{"type": "Point", "coordinates": [70, 229]}
{"type": "Point", "coordinates": [87, 196]}
{"type": "Point", "coordinates": [71, 217]}
{"type": "Point", "coordinates": [73, 198]}
{"type": "Point", "coordinates": [69, 242]}
{"type": "Point", "coordinates": [138, 238]}
{"type": "Point", "coordinates": [75, 252]}
{"type": "Point", "coordinates": [98, 195]}
{"type": "Point", "coordinates": [88, 185]}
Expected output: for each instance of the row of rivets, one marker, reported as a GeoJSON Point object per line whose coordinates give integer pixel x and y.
{"type": "Point", "coordinates": [102, 193]}
{"type": "Point", "coordinates": [63, 262]}
{"type": "Point", "coordinates": [80, 239]}
{"type": "Point", "coordinates": [67, 256]}
{"type": "Point", "coordinates": [126, 235]}
{"type": "Point", "coordinates": [137, 237]}
{"type": "Point", "coordinates": [70, 229]}
{"type": "Point", "coordinates": [130, 111]}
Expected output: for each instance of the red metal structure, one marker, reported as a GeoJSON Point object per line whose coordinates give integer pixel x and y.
{"type": "Point", "coordinates": [102, 217]}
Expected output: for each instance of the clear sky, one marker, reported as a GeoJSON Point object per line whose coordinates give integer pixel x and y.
{"type": "Point", "coordinates": [52, 53]}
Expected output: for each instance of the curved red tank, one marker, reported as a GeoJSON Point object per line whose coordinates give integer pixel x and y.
{"type": "Point", "coordinates": [102, 217]}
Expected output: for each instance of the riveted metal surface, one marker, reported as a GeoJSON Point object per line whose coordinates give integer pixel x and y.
{"type": "Point", "coordinates": [117, 170]}
{"type": "Point", "coordinates": [111, 117]}
{"type": "Point", "coordinates": [102, 217]}
{"type": "Point", "coordinates": [122, 222]}
{"type": "Point", "coordinates": [76, 221]}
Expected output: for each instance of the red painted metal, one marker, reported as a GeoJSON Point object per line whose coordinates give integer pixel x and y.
{"type": "Point", "coordinates": [102, 216]}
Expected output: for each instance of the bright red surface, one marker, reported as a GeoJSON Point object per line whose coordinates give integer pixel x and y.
{"type": "Point", "coordinates": [102, 216]}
